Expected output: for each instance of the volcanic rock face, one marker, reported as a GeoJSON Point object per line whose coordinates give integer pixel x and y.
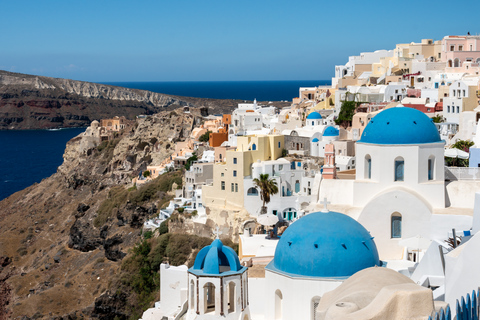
{"type": "Point", "coordinates": [57, 259]}
{"type": "Point", "coordinates": [32, 102]}
{"type": "Point", "coordinates": [36, 102]}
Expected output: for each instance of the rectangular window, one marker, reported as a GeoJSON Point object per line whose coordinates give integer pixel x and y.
{"type": "Point", "coordinates": [222, 174]}
{"type": "Point", "coordinates": [279, 144]}
{"type": "Point", "coordinates": [223, 185]}
{"type": "Point", "coordinates": [471, 47]}
{"type": "Point", "coordinates": [234, 160]}
{"type": "Point", "coordinates": [452, 48]}
{"type": "Point", "coordinates": [236, 187]}
{"type": "Point", "coordinates": [233, 187]}
{"type": "Point", "coordinates": [458, 109]}
{"type": "Point", "coordinates": [460, 48]}
{"type": "Point", "coordinates": [275, 212]}
{"type": "Point", "coordinates": [234, 173]}
{"type": "Point", "coordinates": [464, 93]}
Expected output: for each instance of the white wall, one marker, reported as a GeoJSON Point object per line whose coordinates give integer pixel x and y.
{"type": "Point", "coordinates": [173, 285]}
{"type": "Point", "coordinates": [297, 295]}
{"type": "Point", "coordinates": [461, 270]}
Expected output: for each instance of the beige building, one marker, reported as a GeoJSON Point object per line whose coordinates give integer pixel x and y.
{"type": "Point", "coordinates": [227, 187]}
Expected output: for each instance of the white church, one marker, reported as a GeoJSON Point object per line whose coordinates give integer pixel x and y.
{"type": "Point", "coordinates": [343, 263]}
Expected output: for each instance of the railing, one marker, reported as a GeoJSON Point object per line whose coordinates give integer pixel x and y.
{"type": "Point", "coordinates": [466, 309]}
{"type": "Point", "coordinates": [458, 173]}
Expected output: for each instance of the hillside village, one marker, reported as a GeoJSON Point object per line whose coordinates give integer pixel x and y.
{"type": "Point", "coordinates": [380, 169]}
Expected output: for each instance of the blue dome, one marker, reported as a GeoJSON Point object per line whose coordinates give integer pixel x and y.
{"type": "Point", "coordinates": [315, 140]}
{"type": "Point", "coordinates": [400, 125]}
{"type": "Point", "coordinates": [314, 115]}
{"type": "Point", "coordinates": [330, 245]}
{"type": "Point", "coordinates": [217, 259]}
{"type": "Point", "coordinates": [331, 132]}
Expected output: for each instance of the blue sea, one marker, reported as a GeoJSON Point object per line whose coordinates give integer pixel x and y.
{"type": "Point", "coordinates": [242, 90]}
{"type": "Point", "coordinates": [28, 156]}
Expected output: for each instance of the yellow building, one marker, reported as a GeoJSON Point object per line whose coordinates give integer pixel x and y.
{"type": "Point", "coordinates": [227, 187]}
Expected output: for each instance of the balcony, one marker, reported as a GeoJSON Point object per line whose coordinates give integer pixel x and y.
{"type": "Point", "coordinates": [460, 173]}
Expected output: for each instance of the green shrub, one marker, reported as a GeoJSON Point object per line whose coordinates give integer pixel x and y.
{"type": "Point", "coordinates": [163, 227]}
{"type": "Point", "coordinates": [205, 137]}
{"type": "Point", "coordinates": [148, 234]}
{"type": "Point", "coordinates": [146, 173]}
{"type": "Point", "coordinates": [180, 210]}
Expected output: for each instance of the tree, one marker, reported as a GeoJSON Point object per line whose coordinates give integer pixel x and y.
{"type": "Point", "coordinates": [146, 173]}
{"type": "Point", "coordinates": [190, 161]}
{"type": "Point", "coordinates": [463, 145]}
{"type": "Point", "coordinates": [205, 137]}
{"type": "Point", "coordinates": [267, 188]}
{"type": "Point", "coordinates": [346, 113]}
{"type": "Point", "coordinates": [438, 119]}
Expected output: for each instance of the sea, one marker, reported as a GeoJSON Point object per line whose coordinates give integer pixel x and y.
{"type": "Point", "coordinates": [28, 156]}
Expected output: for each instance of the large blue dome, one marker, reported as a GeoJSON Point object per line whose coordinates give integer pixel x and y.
{"type": "Point", "coordinates": [314, 116]}
{"type": "Point", "coordinates": [400, 125]}
{"type": "Point", "coordinates": [324, 244]}
{"type": "Point", "coordinates": [217, 259]}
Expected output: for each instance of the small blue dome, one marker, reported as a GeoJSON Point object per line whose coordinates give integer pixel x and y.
{"type": "Point", "coordinates": [315, 140]}
{"type": "Point", "coordinates": [331, 132]}
{"type": "Point", "coordinates": [314, 115]}
{"type": "Point", "coordinates": [400, 125]}
{"type": "Point", "coordinates": [330, 245]}
{"type": "Point", "coordinates": [217, 259]}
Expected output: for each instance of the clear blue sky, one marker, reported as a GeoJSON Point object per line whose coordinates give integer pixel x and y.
{"type": "Point", "coordinates": [180, 40]}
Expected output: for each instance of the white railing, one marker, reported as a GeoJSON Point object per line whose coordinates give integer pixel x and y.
{"type": "Point", "coordinates": [459, 173]}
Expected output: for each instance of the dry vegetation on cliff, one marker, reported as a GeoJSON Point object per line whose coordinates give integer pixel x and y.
{"type": "Point", "coordinates": [62, 241]}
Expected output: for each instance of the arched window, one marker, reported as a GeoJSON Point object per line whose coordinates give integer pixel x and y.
{"type": "Point", "coordinates": [368, 167]}
{"type": "Point", "coordinates": [399, 169]}
{"type": "Point", "coordinates": [231, 297]}
{"type": "Point", "coordinates": [449, 63]}
{"type": "Point", "coordinates": [456, 63]}
{"type": "Point", "coordinates": [252, 192]}
{"type": "Point", "coordinates": [209, 297]}
{"type": "Point", "coordinates": [192, 295]}
{"type": "Point", "coordinates": [314, 306]}
{"type": "Point", "coordinates": [278, 305]}
{"type": "Point", "coordinates": [220, 156]}
{"type": "Point", "coordinates": [297, 186]}
{"type": "Point", "coordinates": [431, 168]}
{"type": "Point", "coordinates": [254, 147]}
{"type": "Point", "coordinates": [396, 225]}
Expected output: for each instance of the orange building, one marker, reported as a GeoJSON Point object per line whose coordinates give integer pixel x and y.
{"type": "Point", "coordinates": [217, 138]}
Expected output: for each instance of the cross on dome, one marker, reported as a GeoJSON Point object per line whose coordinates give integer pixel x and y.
{"type": "Point", "coordinates": [217, 233]}
{"type": "Point", "coordinates": [325, 203]}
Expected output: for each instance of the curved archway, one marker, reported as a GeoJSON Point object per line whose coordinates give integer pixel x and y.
{"type": "Point", "coordinates": [209, 298]}
{"type": "Point", "coordinates": [278, 305]}
{"type": "Point", "coordinates": [192, 294]}
{"type": "Point", "coordinates": [449, 63]}
{"type": "Point", "coordinates": [396, 225]}
{"type": "Point", "coordinates": [399, 169]}
{"type": "Point", "coordinates": [231, 297]}
{"type": "Point", "coordinates": [254, 147]}
{"type": "Point", "coordinates": [314, 306]}
{"type": "Point", "coordinates": [368, 167]}
{"type": "Point", "coordinates": [252, 192]}
{"type": "Point", "coordinates": [456, 63]}
{"type": "Point", "coordinates": [431, 168]}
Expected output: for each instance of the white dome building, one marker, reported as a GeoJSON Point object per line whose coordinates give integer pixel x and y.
{"type": "Point", "coordinates": [399, 176]}
{"type": "Point", "coordinates": [217, 285]}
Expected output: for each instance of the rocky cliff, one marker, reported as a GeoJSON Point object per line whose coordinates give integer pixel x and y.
{"type": "Point", "coordinates": [62, 241]}
{"type": "Point", "coordinates": [37, 102]}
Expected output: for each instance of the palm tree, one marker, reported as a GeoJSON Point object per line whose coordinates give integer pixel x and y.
{"type": "Point", "coordinates": [267, 188]}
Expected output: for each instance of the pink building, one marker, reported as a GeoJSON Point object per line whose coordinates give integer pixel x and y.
{"type": "Point", "coordinates": [458, 51]}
